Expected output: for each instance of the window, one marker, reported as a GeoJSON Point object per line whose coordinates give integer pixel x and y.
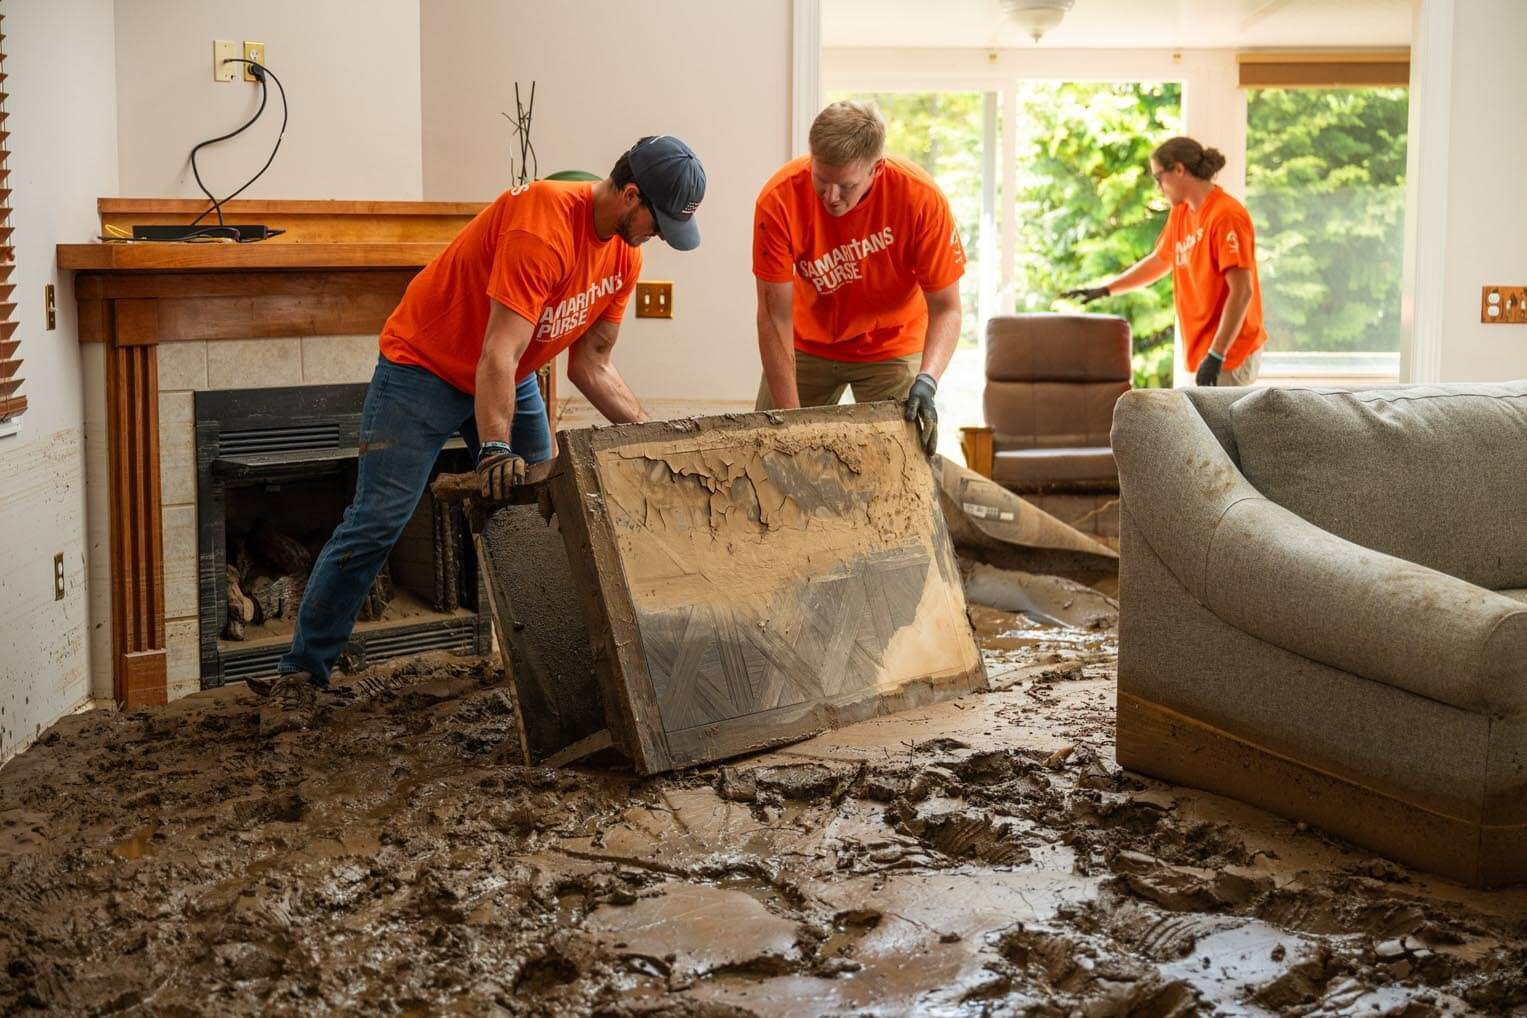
{"type": "Point", "coordinates": [12, 402]}
{"type": "Point", "coordinates": [1325, 186]}
{"type": "Point", "coordinates": [1086, 206]}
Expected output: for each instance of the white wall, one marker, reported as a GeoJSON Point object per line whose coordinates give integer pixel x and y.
{"type": "Point", "coordinates": [1485, 235]}
{"type": "Point", "coordinates": [351, 73]}
{"type": "Point", "coordinates": [62, 118]}
{"type": "Point", "coordinates": [603, 80]}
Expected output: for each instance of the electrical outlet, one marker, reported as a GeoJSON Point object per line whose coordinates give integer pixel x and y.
{"type": "Point", "coordinates": [223, 51]}
{"type": "Point", "coordinates": [1503, 305]}
{"type": "Point", "coordinates": [49, 308]}
{"type": "Point", "coordinates": [58, 577]}
{"type": "Point", "coordinates": [654, 300]}
{"type": "Point", "coordinates": [253, 51]}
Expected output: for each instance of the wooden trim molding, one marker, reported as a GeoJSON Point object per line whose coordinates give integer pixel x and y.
{"type": "Point", "coordinates": [139, 675]}
{"type": "Point", "coordinates": [304, 222]}
{"type": "Point", "coordinates": [240, 305]}
{"type": "Point", "coordinates": [1325, 69]}
{"type": "Point", "coordinates": [148, 257]}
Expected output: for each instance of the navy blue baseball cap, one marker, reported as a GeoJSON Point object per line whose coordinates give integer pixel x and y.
{"type": "Point", "coordinates": [673, 181]}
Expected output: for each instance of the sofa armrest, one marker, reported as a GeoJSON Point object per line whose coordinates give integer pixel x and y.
{"type": "Point", "coordinates": [1273, 575]}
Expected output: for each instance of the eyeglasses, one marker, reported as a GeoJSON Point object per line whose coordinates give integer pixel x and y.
{"type": "Point", "coordinates": [656, 229]}
{"type": "Point", "coordinates": [1158, 175]}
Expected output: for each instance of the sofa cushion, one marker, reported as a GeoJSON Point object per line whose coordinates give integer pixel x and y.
{"type": "Point", "coordinates": [1435, 475]}
{"type": "Point", "coordinates": [1087, 468]}
{"type": "Point", "coordinates": [1519, 594]}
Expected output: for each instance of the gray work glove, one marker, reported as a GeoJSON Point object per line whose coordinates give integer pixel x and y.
{"type": "Point", "coordinates": [1208, 371]}
{"type": "Point", "coordinates": [499, 468]}
{"type": "Point", "coordinates": [1087, 294]}
{"type": "Point", "coordinates": [920, 408]}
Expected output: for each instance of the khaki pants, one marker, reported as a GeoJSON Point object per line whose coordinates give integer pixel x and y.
{"type": "Point", "coordinates": [821, 382]}
{"type": "Point", "coordinates": [1246, 373]}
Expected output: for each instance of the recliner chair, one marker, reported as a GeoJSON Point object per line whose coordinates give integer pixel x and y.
{"type": "Point", "coordinates": [1051, 384]}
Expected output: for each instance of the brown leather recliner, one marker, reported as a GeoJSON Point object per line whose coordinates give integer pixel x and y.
{"type": "Point", "coordinates": [1051, 383]}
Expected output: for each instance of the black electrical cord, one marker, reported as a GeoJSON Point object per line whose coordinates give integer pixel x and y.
{"type": "Point", "coordinates": [259, 71]}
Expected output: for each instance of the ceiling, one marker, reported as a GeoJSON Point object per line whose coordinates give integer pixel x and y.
{"type": "Point", "coordinates": [1149, 24]}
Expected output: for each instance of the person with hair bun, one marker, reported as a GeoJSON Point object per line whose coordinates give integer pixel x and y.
{"type": "Point", "coordinates": [1209, 247]}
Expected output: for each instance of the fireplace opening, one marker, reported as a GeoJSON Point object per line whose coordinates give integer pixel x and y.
{"type": "Point", "coordinates": [276, 470]}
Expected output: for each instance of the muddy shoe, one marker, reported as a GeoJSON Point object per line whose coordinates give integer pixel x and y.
{"type": "Point", "coordinates": [260, 687]}
{"type": "Point", "coordinates": [290, 706]}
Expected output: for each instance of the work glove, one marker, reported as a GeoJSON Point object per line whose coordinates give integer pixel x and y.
{"type": "Point", "coordinates": [920, 408]}
{"type": "Point", "coordinates": [1087, 294]}
{"type": "Point", "coordinates": [1208, 371]}
{"type": "Point", "coordinates": [499, 468]}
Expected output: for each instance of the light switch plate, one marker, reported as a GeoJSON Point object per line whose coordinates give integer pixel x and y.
{"type": "Point", "coordinates": [1503, 305]}
{"type": "Point", "coordinates": [654, 300]}
{"type": "Point", "coordinates": [224, 50]}
{"type": "Point", "coordinates": [253, 51]}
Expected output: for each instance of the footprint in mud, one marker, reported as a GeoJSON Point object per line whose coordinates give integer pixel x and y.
{"type": "Point", "coordinates": [1070, 976]}
{"type": "Point", "coordinates": [544, 974]}
{"type": "Point", "coordinates": [963, 836]}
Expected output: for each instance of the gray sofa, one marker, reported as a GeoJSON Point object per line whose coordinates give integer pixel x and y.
{"type": "Point", "coordinates": [1323, 610]}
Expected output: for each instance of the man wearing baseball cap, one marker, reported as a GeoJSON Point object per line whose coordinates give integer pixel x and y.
{"type": "Point", "coordinates": [549, 266]}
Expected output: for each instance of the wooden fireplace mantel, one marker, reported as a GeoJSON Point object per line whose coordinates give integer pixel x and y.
{"type": "Point", "coordinates": [339, 269]}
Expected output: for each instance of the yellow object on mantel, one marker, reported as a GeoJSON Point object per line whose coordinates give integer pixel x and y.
{"type": "Point", "coordinates": [319, 235]}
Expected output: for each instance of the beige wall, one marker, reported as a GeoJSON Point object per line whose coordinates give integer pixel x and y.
{"type": "Point", "coordinates": [604, 79]}
{"type": "Point", "coordinates": [1487, 202]}
{"type": "Point", "coordinates": [62, 119]}
{"type": "Point", "coordinates": [351, 73]}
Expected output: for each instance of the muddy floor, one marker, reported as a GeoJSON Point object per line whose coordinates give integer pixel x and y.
{"type": "Point", "coordinates": [983, 856]}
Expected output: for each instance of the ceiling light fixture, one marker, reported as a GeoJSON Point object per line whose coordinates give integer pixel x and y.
{"type": "Point", "coordinates": [1036, 17]}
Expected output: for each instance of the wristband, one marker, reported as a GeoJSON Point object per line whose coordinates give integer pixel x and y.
{"type": "Point", "coordinates": [487, 449]}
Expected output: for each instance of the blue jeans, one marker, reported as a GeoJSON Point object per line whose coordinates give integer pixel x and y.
{"type": "Point", "coordinates": [408, 416]}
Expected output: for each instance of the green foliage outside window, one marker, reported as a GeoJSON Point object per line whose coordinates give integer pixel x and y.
{"type": "Point", "coordinates": [1087, 205]}
{"type": "Point", "coordinates": [1325, 184]}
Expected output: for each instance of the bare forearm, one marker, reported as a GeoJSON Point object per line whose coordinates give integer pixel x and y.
{"type": "Point", "coordinates": [943, 336]}
{"type": "Point", "coordinates": [608, 392]}
{"type": "Point", "coordinates": [1143, 273]}
{"type": "Point", "coordinates": [1234, 316]}
{"type": "Point", "coordinates": [493, 404]}
{"type": "Point", "coordinates": [776, 349]}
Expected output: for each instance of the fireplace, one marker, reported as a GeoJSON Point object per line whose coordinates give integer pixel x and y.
{"type": "Point", "coordinates": [275, 470]}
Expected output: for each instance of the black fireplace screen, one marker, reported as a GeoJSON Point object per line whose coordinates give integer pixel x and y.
{"type": "Point", "coordinates": [275, 471]}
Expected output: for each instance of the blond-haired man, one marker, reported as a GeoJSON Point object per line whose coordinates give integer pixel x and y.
{"type": "Point", "coordinates": [858, 263]}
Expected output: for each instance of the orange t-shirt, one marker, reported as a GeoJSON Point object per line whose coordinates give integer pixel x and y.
{"type": "Point", "coordinates": [534, 250]}
{"type": "Point", "coordinates": [858, 278]}
{"type": "Point", "coordinates": [1200, 246]}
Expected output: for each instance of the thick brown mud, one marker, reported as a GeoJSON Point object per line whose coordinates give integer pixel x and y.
{"type": "Point", "coordinates": [983, 856]}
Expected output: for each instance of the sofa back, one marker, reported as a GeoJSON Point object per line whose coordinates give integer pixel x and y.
{"type": "Point", "coordinates": [1434, 474]}
{"type": "Point", "coordinates": [1052, 380]}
